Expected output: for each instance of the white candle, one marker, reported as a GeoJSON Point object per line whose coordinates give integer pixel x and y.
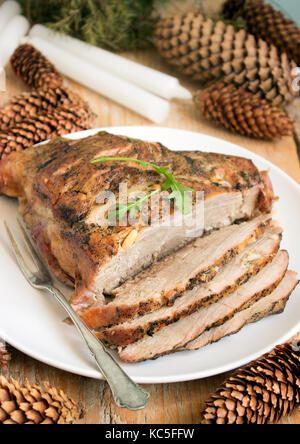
{"type": "Point", "coordinates": [11, 36]}
{"type": "Point", "coordinates": [108, 85]}
{"type": "Point", "coordinates": [7, 11]}
{"type": "Point", "coordinates": [154, 81]}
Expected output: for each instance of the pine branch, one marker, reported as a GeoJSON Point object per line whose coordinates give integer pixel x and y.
{"type": "Point", "coordinates": [118, 25]}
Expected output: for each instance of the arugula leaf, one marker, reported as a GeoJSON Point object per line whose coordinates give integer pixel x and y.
{"type": "Point", "coordinates": [178, 191]}
{"type": "Point", "coordinates": [182, 201]}
{"type": "Point", "coordinates": [122, 209]}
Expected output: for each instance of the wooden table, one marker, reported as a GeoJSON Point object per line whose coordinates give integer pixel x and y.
{"type": "Point", "coordinates": [170, 403]}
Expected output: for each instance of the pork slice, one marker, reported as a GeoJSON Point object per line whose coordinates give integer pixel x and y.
{"type": "Point", "coordinates": [273, 304]}
{"type": "Point", "coordinates": [187, 329]}
{"type": "Point", "coordinates": [165, 280]}
{"type": "Point", "coordinates": [238, 271]}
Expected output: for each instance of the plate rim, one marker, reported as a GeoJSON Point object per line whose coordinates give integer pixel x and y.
{"type": "Point", "coordinates": [200, 374]}
{"type": "Point", "coordinates": [160, 380]}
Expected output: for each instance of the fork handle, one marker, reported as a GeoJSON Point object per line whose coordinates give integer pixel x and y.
{"type": "Point", "coordinates": [126, 393]}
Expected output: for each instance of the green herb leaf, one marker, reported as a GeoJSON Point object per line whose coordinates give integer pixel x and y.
{"type": "Point", "coordinates": [182, 201]}
{"type": "Point", "coordinates": [122, 209]}
{"type": "Point", "coordinates": [178, 191]}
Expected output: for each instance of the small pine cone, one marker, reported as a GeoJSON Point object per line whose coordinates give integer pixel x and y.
{"type": "Point", "coordinates": [242, 113]}
{"type": "Point", "coordinates": [33, 404]}
{"type": "Point", "coordinates": [268, 24]}
{"type": "Point", "coordinates": [210, 51]}
{"type": "Point", "coordinates": [29, 105]}
{"type": "Point", "coordinates": [60, 122]}
{"type": "Point", "coordinates": [34, 69]}
{"type": "Point", "coordinates": [5, 356]}
{"type": "Point", "coordinates": [260, 393]}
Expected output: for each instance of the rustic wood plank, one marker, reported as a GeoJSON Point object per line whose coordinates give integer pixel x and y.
{"type": "Point", "coordinates": [170, 403]}
{"type": "Point", "coordinates": [180, 403]}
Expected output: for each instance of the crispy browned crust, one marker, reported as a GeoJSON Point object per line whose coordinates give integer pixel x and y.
{"type": "Point", "coordinates": [118, 336]}
{"type": "Point", "coordinates": [107, 315]}
{"type": "Point", "coordinates": [267, 196]}
{"type": "Point", "coordinates": [64, 180]}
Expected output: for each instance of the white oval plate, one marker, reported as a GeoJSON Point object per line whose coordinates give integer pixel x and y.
{"type": "Point", "coordinates": [32, 322]}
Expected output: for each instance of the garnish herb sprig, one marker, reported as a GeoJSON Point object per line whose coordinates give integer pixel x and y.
{"type": "Point", "coordinates": [122, 209]}
{"type": "Point", "coordinates": [177, 189]}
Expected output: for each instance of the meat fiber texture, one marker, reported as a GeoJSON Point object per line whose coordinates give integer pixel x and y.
{"type": "Point", "coordinates": [239, 270]}
{"type": "Point", "coordinates": [186, 330]}
{"type": "Point", "coordinates": [166, 280]}
{"type": "Point", "coordinates": [58, 189]}
{"type": "Point", "coordinates": [273, 304]}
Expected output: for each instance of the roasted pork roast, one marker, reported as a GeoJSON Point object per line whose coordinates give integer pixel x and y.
{"type": "Point", "coordinates": [155, 288]}
{"type": "Point", "coordinates": [58, 189]}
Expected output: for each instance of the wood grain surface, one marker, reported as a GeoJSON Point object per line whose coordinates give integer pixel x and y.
{"type": "Point", "coordinates": [170, 403]}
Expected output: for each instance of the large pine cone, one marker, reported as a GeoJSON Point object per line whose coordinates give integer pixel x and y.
{"type": "Point", "coordinates": [60, 122]}
{"type": "Point", "coordinates": [242, 113]}
{"type": "Point", "coordinates": [41, 101]}
{"type": "Point", "coordinates": [266, 23]}
{"type": "Point", "coordinates": [206, 51]}
{"type": "Point", "coordinates": [261, 392]}
{"type": "Point", "coordinates": [34, 69]}
{"type": "Point", "coordinates": [33, 404]}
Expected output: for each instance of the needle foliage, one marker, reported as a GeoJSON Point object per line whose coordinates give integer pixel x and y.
{"type": "Point", "coordinates": [117, 25]}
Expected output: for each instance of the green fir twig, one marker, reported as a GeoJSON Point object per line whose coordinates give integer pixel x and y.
{"type": "Point", "coordinates": [118, 25]}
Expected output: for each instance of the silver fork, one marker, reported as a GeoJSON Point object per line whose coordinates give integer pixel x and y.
{"type": "Point", "coordinates": [125, 392]}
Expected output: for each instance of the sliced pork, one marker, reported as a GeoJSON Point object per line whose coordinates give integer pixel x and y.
{"type": "Point", "coordinates": [238, 271]}
{"type": "Point", "coordinates": [58, 188]}
{"type": "Point", "coordinates": [186, 330]}
{"type": "Point", "coordinates": [167, 279]}
{"type": "Point", "coordinates": [272, 304]}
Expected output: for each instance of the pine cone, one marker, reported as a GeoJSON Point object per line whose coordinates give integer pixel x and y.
{"type": "Point", "coordinates": [29, 105]}
{"type": "Point", "coordinates": [242, 113]}
{"type": "Point", "coordinates": [34, 69]}
{"type": "Point", "coordinates": [206, 51]}
{"type": "Point", "coordinates": [261, 392]}
{"type": "Point", "coordinates": [266, 23]}
{"type": "Point", "coordinates": [60, 122]}
{"type": "Point", "coordinates": [5, 356]}
{"type": "Point", "coordinates": [33, 404]}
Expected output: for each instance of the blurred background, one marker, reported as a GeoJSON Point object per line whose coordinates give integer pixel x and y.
{"type": "Point", "coordinates": [289, 7]}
